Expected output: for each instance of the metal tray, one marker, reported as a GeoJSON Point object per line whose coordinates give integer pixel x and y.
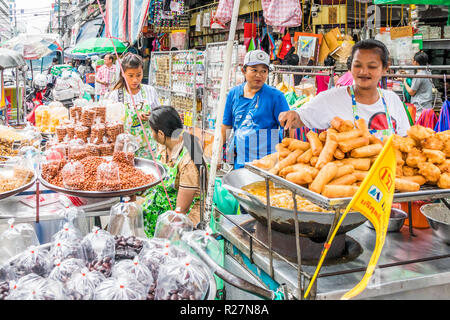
{"type": "Point", "coordinates": [148, 166]}
{"type": "Point", "coordinates": [11, 193]}
{"type": "Point", "coordinates": [426, 192]}
{"type": "Point", "coordinates": [315, 225]}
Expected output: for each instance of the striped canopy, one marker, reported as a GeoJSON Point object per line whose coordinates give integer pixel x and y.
{"type": "Point", "coordinates": [34, 46]}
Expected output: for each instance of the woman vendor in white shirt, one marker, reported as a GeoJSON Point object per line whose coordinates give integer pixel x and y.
{"type": "Point", "coordinates": [382, 110]}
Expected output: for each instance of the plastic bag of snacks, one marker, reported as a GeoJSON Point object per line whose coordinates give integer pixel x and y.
{"type": "Point", "coordinates": [128, 247]}
{"type": "Point", "coordinates": [67, 233]}
{"type": "Point", "coordinates": [75, 218]}
{"type": "Point", "coordinates": [98, 131]}
{"type": "Point", "coordinates": [156, 257]}
{"type": "Point", "coordinates": [73, 176]}
{"type": "Point", "coordinates": [16, 239]}
{"type": "Point", "coordinates": [77, 149]}
{"type": "Point", "coordinates": [100, 250]}
{"type": "Point", "coordinates": [39, 289]}
{"type": "Point", "coordinates": [6, 276]}
{"type": "Point", "coordinates": [126, 219]}
{"type": "Point", "coordinates": [63, 270]}
{"type": "Point", "coordinates": [182, 279]}
{"type": "Point", "coordinates": [171, 224]}
{"type": "Point", "coordinates": [125, 147]}
{"type": "Point", "coordinates": [134, 269]}
{"type": "Point", "coordinates": [67, 249]}
{"type": "Point", "coordinates": [204, 240]}
{"type": "Point", "coordinates": [33, 260]}
{"type": "Point", "coordinates": [108, 177]}
{"type": "Point", "coordinates": [120, 289]}
{"type": "Point", "coordinates": [82, 284]}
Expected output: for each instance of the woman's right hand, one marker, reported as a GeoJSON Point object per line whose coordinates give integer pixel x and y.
{"type": "Point", "coordinates": [290, 120]}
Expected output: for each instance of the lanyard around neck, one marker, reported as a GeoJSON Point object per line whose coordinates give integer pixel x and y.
{"type": "Point", "coordinates": [386, 110]}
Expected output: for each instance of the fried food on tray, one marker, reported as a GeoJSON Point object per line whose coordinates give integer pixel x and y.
{"type": "Point", "coordinates": [316, 144]}
{"type": "Point", "coordinates": [399, 171]}
{"type": "Point", "coordinates": [414, 157]}
{"type": "Point", "coordinates": [344, 170]}
{"type": "Point", "coordinates": [417, 179]}
{"type": "Point", "coordinates": [297, 144]}
{"type": "Point", "coordinates": [300, 178]}
{"type": "Point", "coordinates": [403, 185]}
{"type": "Point", "coordinates": [429, 171]}
{"type": "Point", "coordinates": [360, 175]}
{"type": "Point", "coordinates": [327, 153]}
{"type": "Point", "coordinates": [348, 180]}
{"type": "Point", "coordinates": [348, 145]}
{"type": "Point", "coordinates": [409, 171]}
{"type": "Point", "coordinates": [444, 181]}
{"type": "Point", "coordinates": [338, 154]}
{"type": "Point", "coordinates": [432, 143]}
{"type": "Point", "coordinates": [445, 166]}
{"type": "Point", "coordinates": [305, 157]}
{"type": "Point", "coordinates": [446, 148]}
{"type": "Point", "coordinates": [283, 152]}
{"type": "Point", "coordinates": [434, 156]}
{"type": "Point", "coordinates": [375, 140]}
{"type": "Point", "coordinates": [313, 161]}
{"type": "Point", "coordinates": [420, 133]}
{"type": "Point", "coordinates": [299, 167]}
{"type": "Point", "coordinates": [362, 125]}
{"type": "Point", "coordinates": [336, 191]}
{"type": "Point", "coordinates": [325, 175]}
{"type": "Point", "coordinates": [358, 163]}
{"type": "Point", "coordinates": [352, 134]}
{"type": "Point", "coordinates": [341, 125]}
{"type": "Point", "coordinates": [267, 162]}
{"type": "Point", "coordinates": [404, 144]}
{"type": "Point", "coordinates": [366, 151]}
{"type": "Point", "coordinates": [286, 141]}
{"type": "Point", "coordinates": [399, 157]}
{"type": "Point", "coordinates": [323, 136]}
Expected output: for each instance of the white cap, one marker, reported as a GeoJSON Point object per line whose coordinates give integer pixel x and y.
{"type": "Point", "coordinates": [255, 57]}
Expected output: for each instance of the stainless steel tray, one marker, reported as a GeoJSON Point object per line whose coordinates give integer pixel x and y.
{"type": "Point", "coordinates": [311, 224]}
{"type": "Point", "coordinates": [148, 166]}
{"type": "Point", "coordinates": [8, 194]}
{"type": "Point", "coordinates": [426, 192]}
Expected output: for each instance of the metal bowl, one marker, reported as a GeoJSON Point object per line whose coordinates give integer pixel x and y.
{"type": "Point", "coordinates": [315, 225]}
{"type": "Point", "coordinates": [396, 220]}
{"type": "Point", "coordinates": [148, 166]}
{"type": "Point", "coordinates": [438, 217]}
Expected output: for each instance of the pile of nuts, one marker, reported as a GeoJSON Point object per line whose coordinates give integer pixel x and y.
{"type": "Point", "coordinates": [103, 265]}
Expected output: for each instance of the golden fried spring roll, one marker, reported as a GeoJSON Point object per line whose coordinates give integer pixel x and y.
{"type": "Point", "coordinates": [327, 153]}
{"type": "Point", "coordinates": [286, 141]}
{"type": "Point", "coordinates": [338, 154]}
{"type": "Point", "coordinates": [316, 144]}
{"type": "Point", "coordinates": [337, 191]}
{"type": "Point", "coordinates": [346, 135]}
{"type": "Point", "coordinates": [323, 136]}
{"type": "Point", "coordinates": [362, 125]}
{"type": "Point", "coordinates": [360, 175]}
{"type": "Point", "coordinates": [300, 177]}
{"type": "Point", "coordinates": [358, 163]}
{"type": "Point", "coordinates": [298, 144]}
{"type": "Point", "coordinates": [351, 144]}
{"type": "Point", "coordinates": [282, 151]}
{"type": "Point", "coordinates": [290, 159]}
{"type": "Point", "coordinates": [313, 161]}
{"type": "Point", "coordinates": [367, 151]}
{"type": "Point", "coordinates": [336, 123]}
{"type": "Point", "coordinates": [348, 179]}
{"type": "Point", "coordinates": [344, 170]}
{"type": "Point", "coordinates": [325, 175]}
{"type": "Point", "coordinates": [305, 157]}
{"type": "Point", "coordinates": [375, 140]}
{"type": "Point", "coordinates": [298, 167]}
{"type": "Point", "coordinates": [267, 162]}
{"type": "Point", "coordinates": [417, 179]}
{"type": "Point", "coordinates": [403, 185]}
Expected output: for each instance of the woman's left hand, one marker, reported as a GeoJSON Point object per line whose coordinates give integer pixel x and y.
{"type": "Point", "coordinates": [144, 116]}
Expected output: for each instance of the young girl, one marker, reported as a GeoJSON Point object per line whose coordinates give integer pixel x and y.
{"type": "Point", "coordinates": [145, 98]}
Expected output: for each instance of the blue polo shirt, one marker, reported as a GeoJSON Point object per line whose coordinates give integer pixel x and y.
{"type": "Point", "coordinates": [254, 121]}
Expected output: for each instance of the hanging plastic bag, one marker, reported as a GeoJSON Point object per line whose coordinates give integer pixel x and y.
{"type": "Point", "coordinates": [282, 13]}
{"type": "Point", "coordinates": [443, 122]}
{"type": "Point", "coordinates": [182, 279]}
{"type": "Point", "coordinates": [73, 176]}
{"type": "Point", "coordinates": [67, 233]}
{"type": "Point", "coordinates": [427, 119]}
{"type": "Point", "coordinates": [171, 224]}
{"type": "Point", "coordinates": [100, 250]}
{"type": "Point", "coordinates": [16, 239]}
{"type": "Point", "coordinates": [33, 260]}
{"type": "Point", "coordinates": [67, 249]}
{"type": "Point", "coordinates": [6, 276]}
{"type": "Point", "coordinates": [63, 270]}
{"type": "Point", "coordinates": [75, 218]}
{"type": "Point", "coordinates": [120, 289]}
{"type": "Point", "coordinates": [126, 219]}
{"type": "Point", "coordinates": [134, 269]}
{"type": "Point", "coordinates": [82, 284]}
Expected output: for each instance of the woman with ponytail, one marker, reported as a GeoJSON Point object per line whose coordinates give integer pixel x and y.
{"type": "Point", "coordinates": [144, 96]}
{"type": "Point", "coordinates": [182, 156]}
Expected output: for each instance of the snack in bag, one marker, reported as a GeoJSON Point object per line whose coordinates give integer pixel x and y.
{"type": "Point", "coordinates": [108, 177]}
{"type": "Point", "coordinates": [171, 224]}
{"type": "Point", "coordinates": [67, 249]}
{"type": "Point", "coordinates": [73, 176]}
{"type": "Point", "coordinates": [100, 250]}
{"type": "Point", "coordinates": [120, 289]}
{"type": "Point", "coordinates": [126, 219]}
{"type": "Point", "coordinates": [32, 260]}
{"type": "Point", "coordinates": [134, 269]}
{"type": "Point", "coordinates": [82, 284]}
{"type": "Point", "coordinates": [16, 239]}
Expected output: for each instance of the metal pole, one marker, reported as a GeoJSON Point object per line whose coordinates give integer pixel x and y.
{"type": "Point", "coordinates": [60, 31]}
{"type": "Point", "coordinates": [217, 146]}
{"type": "Point", "coordinates": [17, 96]}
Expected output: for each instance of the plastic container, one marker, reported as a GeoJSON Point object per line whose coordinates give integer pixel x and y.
{"type": "Point", "coordinates": [419, 220]}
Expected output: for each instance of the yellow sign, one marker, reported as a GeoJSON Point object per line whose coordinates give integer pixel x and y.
{"type": "Point", "coordinates": [373, 200]}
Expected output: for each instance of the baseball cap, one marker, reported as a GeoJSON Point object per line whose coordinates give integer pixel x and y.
{"type": "Point", "coordinates": [255, 57]}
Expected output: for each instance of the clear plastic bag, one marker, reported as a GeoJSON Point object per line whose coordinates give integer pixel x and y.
{"type": "Point", "coordinates": [63, 270]}
{"type": "Point", "coordinates": [82, 284]}
{"type": "Point", "coordinates": [67, 249]}
{"type": "Point", "coordinates": [204, 240]}
{"type": "Point", "coordinates": [6, 275]}
{"type": "Point", "coordinates": [182, 279]}
{"type": "Point", "coordinates": [38, 289]}
{"type": "Point", "coordinates": [126, 219]}
{"type": "Point", "coordinates": [170, 225]}
{"type": "Point", "coordinates": [120, 289]}
{"type": "Point", "coordinates": [134, 269]}
{"type": "Point", "coordinates": [77, 149]}
{"type": "Point", "coordinates": [100, 250]}
{"type": "Point", "coordinates": [16, 239]}
{"type": "Point", "coordinates": [67, 233]}
{"type": "Point", "coordinates": [33, 260]}
{"type": "Point", "coordinates": [108, 177]}
{"type": "Point", "coordinates": [98, 131]}
{"type": "Point", "coordinates": [128, 247]}
{"type": "Point", "coordinates": [75, 218]}
{"type": "Point", "coordinates": [73, 176]}
{"type": "Point", "coordinates": [155, 257]}
{"type": "Point", "coordinates": [124, 148]}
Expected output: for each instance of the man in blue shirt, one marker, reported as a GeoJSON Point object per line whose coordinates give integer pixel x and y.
{"type": "Point", "coordinates": [252, 110]}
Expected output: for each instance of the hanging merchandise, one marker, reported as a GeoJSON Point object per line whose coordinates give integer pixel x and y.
{"type": "Point", "coordinates": [444, 117]}
{"type": "Point", "coordinates": [224, 11]}
{"type": "Point", "coordinates": [198, 24]}
{"type": "Point", "coordinates": [249, 34]}
{"type": "Point", "coordinates": [282, 13]}
{"type": "Point", "coordinates": [427, 119]}
{"type": "Point", "coordinates": [178, 39]}
{"type": "Point", "coordinates": [206, 19]}
{"type": "Point", "coordinates": [286, 45]}
{"type": "Point", "coordinates": [165, 13]}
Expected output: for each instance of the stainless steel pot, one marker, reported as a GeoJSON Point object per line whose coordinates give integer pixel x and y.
{"type": "Point", "coordinates": [438, 217]}
{"type": "Point", "coordinates": [396, 220]}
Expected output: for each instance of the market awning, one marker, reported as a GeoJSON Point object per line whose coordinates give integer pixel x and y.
{"type": "Point", "coordinates": [90, 29]}
{"type": "Point", "coordinates": [10, 59]}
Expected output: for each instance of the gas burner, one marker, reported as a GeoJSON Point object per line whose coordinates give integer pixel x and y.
{"type": "Point", "coordinates": [343, 248]}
